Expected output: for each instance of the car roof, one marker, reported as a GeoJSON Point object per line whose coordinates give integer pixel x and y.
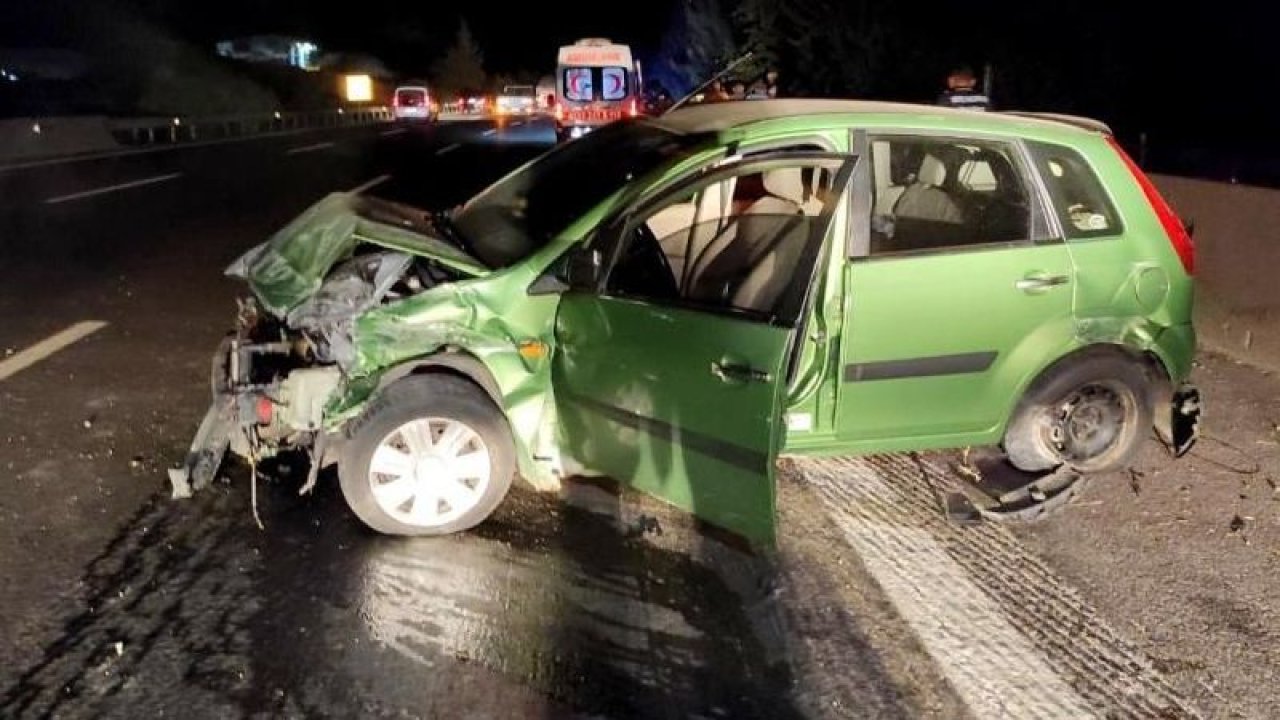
{"type": "Point", "coordinates": [721, 116]}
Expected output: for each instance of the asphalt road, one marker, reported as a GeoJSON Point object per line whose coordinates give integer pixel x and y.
{"type": "Point", "coordinates": [119, 602]}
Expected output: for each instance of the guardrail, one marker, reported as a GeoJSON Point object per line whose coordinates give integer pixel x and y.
{"type": "Point", "coordinates": [177, 129]}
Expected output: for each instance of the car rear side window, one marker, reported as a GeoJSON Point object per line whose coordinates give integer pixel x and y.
{"type": "Point", "coordinates": [1079, 199]}
{"type": "Point", "coordinates": [942, 194]}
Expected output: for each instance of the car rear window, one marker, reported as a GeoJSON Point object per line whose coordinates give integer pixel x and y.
{"type": "Point", "coordinates": [1079, 198]}
{"type": "Point", "coordinates": [411, 97]}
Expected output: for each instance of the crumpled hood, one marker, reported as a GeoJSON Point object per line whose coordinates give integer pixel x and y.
{"type": "Point", "coordinates": [292, 264]}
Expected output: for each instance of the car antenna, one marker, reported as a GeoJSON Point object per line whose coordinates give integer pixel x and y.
{"type": "Point", "coordinates": [725, 71]}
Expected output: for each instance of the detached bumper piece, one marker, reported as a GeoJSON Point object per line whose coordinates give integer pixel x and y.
{"type": "Point", "coordinates": [1184, 420]}
{"type": "Point", "coordinates": [988, 487]}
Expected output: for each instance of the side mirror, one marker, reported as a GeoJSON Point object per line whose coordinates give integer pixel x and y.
{"type": "Point", "coordinates": [549, 283]}
{"type": "Point", "coordinates": [578, 270]}
{"type": "Point", "coordinates": [583, 270]}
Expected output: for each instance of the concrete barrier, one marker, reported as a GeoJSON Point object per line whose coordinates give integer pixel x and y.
{"type": "Point", "coordinates": [1237, 235]}
{"type": "Point", "coordinates": [54, 137]}
{"type": "Point", "coordinates": [26, 138]}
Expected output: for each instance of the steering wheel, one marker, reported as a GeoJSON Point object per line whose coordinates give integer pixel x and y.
{"type": "Point", "coordinates": [643, 270]}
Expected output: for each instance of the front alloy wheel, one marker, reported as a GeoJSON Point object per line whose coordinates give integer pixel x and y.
{"type": "Point", "coordinates": [429, 472]}
{"type": "Point", "coordinates": [431, 455]}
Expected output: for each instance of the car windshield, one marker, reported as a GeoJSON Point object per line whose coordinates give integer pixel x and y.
{"type": "Point", "coordinates": [523, 211]}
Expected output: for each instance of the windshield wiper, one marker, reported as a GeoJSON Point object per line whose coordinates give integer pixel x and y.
{"type": "Point", "coordinates": [443, 222]}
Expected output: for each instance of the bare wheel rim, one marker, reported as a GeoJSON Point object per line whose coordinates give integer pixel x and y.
{"type": "Point", "coordinates": [430, 471]}
{"type": "Point", "coordinates": [1091, 421]}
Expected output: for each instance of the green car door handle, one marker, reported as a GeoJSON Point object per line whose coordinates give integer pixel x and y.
{"type": "Point", "coordinates": [730, 373]}
{"type": "Point", "coordinates": [1039, 282]}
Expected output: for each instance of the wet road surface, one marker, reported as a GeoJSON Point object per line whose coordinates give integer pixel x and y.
{"type": "Point", "coordinates": [549, 610]}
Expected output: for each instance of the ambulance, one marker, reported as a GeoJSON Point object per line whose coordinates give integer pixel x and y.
{"type": "Point", "coordinates": [597, 82]}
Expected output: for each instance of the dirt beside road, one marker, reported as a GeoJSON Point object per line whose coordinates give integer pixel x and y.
{"type": "Point", "coordinates": [1183, 555]}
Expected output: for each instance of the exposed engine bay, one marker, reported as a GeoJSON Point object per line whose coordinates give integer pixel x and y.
{"type": "Point", "coordinates": [274, 374]}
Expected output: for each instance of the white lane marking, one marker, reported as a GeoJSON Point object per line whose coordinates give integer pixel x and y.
{"type": "Point", "coordinates": [112, 188]}
{"type": "Point", "coordinates": [448, 148]}
{"type": "Point", "coordinates": [163, 148]}
{"type": "Point", "coordinates": [993, 666]}
{"type": "Point", "coordinates": [490, 131]}
{"type": "Point", "coordinates": [48, 346]}
{"type": "Point", "coordinates": [393, 131]}
{"type": "Point", "coordinates": [370, 184]}
{"type": "Point", "coordinates": [309, 148]}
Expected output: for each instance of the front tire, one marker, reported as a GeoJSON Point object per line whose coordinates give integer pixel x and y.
{"type": "Point", "coordinates": [431, 455]}
{"type": "Point", "coordinates": [1090, 414]}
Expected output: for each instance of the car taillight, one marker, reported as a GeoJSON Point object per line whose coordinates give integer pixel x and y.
{"type": "Point", "coordinates": [1179, 238]}
{"type": "Point", "coordinates": [264, 409]}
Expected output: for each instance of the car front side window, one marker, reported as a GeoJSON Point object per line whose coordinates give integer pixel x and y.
{"type": "Point", "coordinates": [733, 245]}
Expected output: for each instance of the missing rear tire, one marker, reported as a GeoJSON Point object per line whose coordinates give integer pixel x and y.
{"type": "Point", "coordinates": [1089, 414]}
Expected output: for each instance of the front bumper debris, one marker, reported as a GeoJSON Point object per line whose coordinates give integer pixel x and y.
{"type": "Point", "coordinates": [214, 434]}
{"type": "Point", "coordinates": [207, 449]}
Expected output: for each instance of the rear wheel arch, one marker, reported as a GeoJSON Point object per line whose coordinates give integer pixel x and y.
{"type": "Point", "coordinates": [1153, 366]}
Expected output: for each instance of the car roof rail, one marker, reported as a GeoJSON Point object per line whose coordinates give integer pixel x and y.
{"type": "Point", "coordinates": [1074, 120]}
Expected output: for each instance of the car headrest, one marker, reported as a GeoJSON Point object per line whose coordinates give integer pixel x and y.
{"type": "Point", "coordinates": [786, 183]}
{"type": "Point", "coordinates": [932, 171]}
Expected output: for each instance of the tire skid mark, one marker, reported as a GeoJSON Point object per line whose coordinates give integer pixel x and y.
{"type": "Point", "coordinates": [982, 577]}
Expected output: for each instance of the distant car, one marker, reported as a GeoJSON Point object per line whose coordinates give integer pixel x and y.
{"type": "Point", "coordinates": [471, 102]}
{"type": "Point", "coordinates": [414, 103]}
{"type": "Point", "coordinates": [674, 301]}
{"type": "Point", "coordinates": [516, 100]}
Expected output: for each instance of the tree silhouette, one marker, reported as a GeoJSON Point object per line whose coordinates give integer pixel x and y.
{"type": "Point", "coordinates": [462, 67]}
{"type": "Point", "coordinates": [697, 44]}
{"type": "Point", "coordinates": [835, 48]}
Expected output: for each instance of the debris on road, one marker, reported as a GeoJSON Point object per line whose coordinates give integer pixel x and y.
{"type": "Point", "coordinates": [1135, 480]}
{"type": "Point", "coordinates": [1237, 524]}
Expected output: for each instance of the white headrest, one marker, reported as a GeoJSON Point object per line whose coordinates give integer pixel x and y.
{"type": "Point", "coordinates": [786, 183]}
{"type": "Point", "coordinates": [932, 171]}
{"type": "Point", "coordinates": [711, 199]}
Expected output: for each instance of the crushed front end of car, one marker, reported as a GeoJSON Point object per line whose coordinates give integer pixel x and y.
{"type": "Point", "coordinates": [292, 350]}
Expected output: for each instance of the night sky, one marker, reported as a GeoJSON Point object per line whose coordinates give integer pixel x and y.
{"type": "Point", "coordinates": [1201, 72]}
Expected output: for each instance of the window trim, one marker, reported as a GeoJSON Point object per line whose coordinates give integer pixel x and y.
{"type": "Point", "coordinates": [1018, 154]}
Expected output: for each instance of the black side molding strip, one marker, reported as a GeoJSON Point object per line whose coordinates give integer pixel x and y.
{"type": "Point", "coordinates": [919, 367]}
{"type": "Point", "coordinates": [723, 450]}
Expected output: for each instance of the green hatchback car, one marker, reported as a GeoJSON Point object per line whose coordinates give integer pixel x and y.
{"type": "Point", "coordinates": [675, 302]}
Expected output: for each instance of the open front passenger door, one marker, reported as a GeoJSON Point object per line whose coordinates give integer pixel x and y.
{"type": "Point", "coordinates": [671, 362]}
